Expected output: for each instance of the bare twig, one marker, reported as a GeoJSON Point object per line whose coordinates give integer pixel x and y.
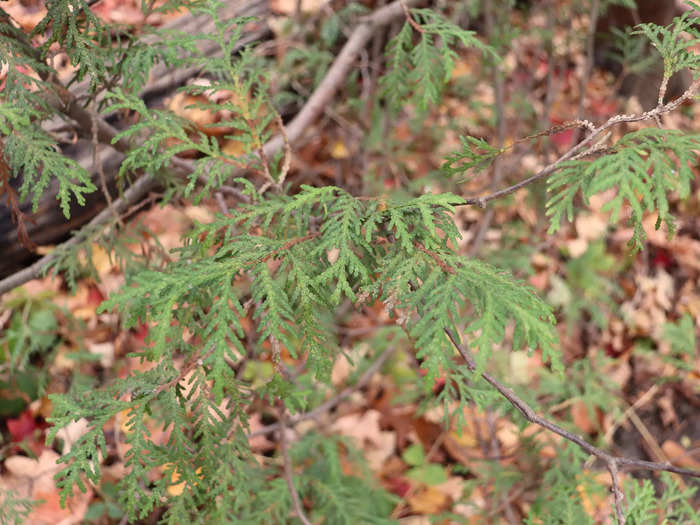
{"type": "Point", "coordinates": [613, 463]}
{"type": "Point", "coordinates": [97, 163]}
{"type": "Point", "coordinates": [500, 135]}
{"type": "Point", "coordinates": [338, 72]}
{"type": "Point", "coordinates": [288, 475]}
{"type": "Point", "coordinates": [588, 65]}
{"type": "Point", "coordinates": [409, 18]}
{"type": "Point", "coordinates": [585, 143]}
{"type": "Point", "coordinates": [647, 396]}
{"type": "Point", "coordinates": [286, 164]}
{"type": "Point", "coordinates": [222, 203]}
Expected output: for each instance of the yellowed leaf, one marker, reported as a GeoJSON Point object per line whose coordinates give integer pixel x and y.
{"type": "Point", "coordinates": [339, 150]}
{"type": "Point", "coordinates": [428, 500]}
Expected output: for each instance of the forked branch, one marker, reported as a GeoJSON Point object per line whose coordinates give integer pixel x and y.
{"type": "Point", "coordinates": [588, 144]}
{"type": "Point", "coordinates": [613, 463]}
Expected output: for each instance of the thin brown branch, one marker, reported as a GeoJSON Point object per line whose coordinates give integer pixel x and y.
{"type": "Point", "coordinates": [588, 65]}
{"type": "Point", "coordinates": [409, 18]}
{"type": "Point", "coordinates": [288, 474]}
{"type": "Point", "coordinates": [97, 163]}
{"type": "Point", "coordinates": [613, 463]}
{"type": "Point", "coordinates": [191, 363]}
{"type": "Point", "coordinates": [16, 214]}
{"type": "Point", "coordinates": [617, 492]}
{"type": "Point", "coordinates": [434, 256]}
{"type": "Point", "coordinates": [589, 141]}
{"type": "Point", "coordinates": [287, 162]}
{"type": "Point", "coordinates": [500, 103]}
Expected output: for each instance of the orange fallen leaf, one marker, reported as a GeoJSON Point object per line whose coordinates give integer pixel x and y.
{"type": "Point", "coordinates": [679, 456]}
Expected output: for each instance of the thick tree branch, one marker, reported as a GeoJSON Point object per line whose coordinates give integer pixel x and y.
{"type": "Point", "coordinates": [135, 192]}
{"type": "Point", "coordinates": [65, 102]}
{"type": "Point", "coordinates": [338, 72]}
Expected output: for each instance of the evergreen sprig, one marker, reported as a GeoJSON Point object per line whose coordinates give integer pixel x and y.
{"type": "Point", "coordinates": [33, 153]}
{"type": "Point", "coordinates": [675, 42]}
{"type": "Point", "coordinates": [644, 167]}
{"type": "Point", "coordinates": [417, 73]}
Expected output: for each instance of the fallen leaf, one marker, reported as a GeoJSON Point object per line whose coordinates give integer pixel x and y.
{"type": "Point", "coordinates": [288, 7]}
{"type": "Point", "coordinates": [677, 455]}
{"type": "Point", "coordinates": [582, 417]}
{"type": "Point", "coordinates": [591, 226]}
{"type": "Point", "coordinates": [72, 432]}
{"type": "Point", "coordinates": [339, 150]}
{"type": "Point", "coordinates": [428, 500]}
{"type": "Point", "coordinates": [364, 428]}
{"type": "Point", "coordinates": [22, 427]}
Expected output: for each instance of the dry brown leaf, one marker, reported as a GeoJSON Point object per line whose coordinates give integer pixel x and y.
{"type": "Point", "coordinates": [72, 432]}
{"type": "Point", "coordinates": [582, 418]}
{"type": "Point", "coordinates": [428, 500]}
{"type": "Point", "coordinates": [105, 351]}
{"type": "Point", "coordinates": [33, 479]}
{"type": "Point", "coordinates": [259, 443]}
{"type": "Point", "coordinates": [548, 441]}
{"type": "Point", "coordinates": [596, 503]}
{"type": "Point", "coordinates": [677, 455]}
{"type": "Point", "coordinates": [620, 373]}
{"type": "Point", "coordinates": [453, 488]}
{"type": "Point", "coordinates": [577, 247]}
{"type": "Point", "coordinates": [185, 106]}
{"type": "Point", "coordinates": [199, 214]}
{"type": "Point", "coordinates": [288, 7]}
{"type": "Point", "coordinates": [508, 436]}
{"type": "Point", "coordinates": [668, 412]}
{"type": "Point", "coordinates": [591, 226]}
{"type": "Point", "coordinates": [377, 444]}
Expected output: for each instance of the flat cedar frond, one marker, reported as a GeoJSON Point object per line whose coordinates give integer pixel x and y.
{"type": "Point", "coordinates": [419, 72]}
{"type": "Point", "coordinates": [645, 166]}
{"type": "Point", "coordinates": [82, 35]}
{"type": "Point", "coordinates": [32, 151]}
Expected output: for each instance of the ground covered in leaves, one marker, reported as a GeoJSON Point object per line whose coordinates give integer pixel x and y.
{"type": "Point", "coordinates": [627, 321]}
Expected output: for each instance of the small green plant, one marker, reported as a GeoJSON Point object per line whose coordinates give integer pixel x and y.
{"type": "Point", "coordinates": [421, 469]}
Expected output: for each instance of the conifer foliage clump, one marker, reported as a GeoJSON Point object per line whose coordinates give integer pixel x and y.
{"type": "Point", "coordinates": [294, 257]}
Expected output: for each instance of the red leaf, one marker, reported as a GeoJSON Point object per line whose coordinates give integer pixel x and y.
{"type": "Point", "coordinates": [22, 427]}
{"type": "Point", "coordinates": [398, 486]}
{"type": "Point", "coordinates": [662, 258]}
{"type": "Point", "coordinates": [95, 296]}
{"type": "Point", "coordinates": [563, 138]}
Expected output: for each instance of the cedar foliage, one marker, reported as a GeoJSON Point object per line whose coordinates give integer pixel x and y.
{"type": "Point", "coordinates": [294, 257]}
